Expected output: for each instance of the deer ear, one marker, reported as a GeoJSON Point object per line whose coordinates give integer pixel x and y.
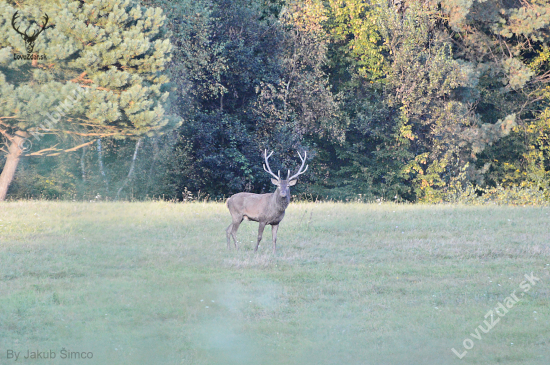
{"type": "Point", "coordinates": [275, 182]}
{"type": "Point", "coordinates": [292, 182]}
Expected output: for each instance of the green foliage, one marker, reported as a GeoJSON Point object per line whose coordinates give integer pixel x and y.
{"type": "Point", "coordinates": [246, 81]}
{"type": "Point", "coordinates": [354, 30]}
{"type": "Point", "coordinates": [508, 45]}
{"type": "Point", "coordinates": [439, 111]}
{"type": "Point", "coordinates": [116, 50]}
{"type": "Point", "coordinates": [392, 100]}
{"type": "Point", "coordinates": [100, 72]}
{"type": "Point", "coordinates": [34, 181]}
{"type": "Point", "coordinates": [498, 195]}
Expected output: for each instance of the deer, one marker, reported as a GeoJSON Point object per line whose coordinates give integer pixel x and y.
{"type": "Point", "coordinates": [263, 208]}
{"type": "Point", "coordinates": [29, 39]}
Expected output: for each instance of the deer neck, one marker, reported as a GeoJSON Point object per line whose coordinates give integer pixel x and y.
{"type": "Point", "coordinates": [281, 203]}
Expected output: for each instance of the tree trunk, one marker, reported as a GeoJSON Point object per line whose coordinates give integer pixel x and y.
{"type": "Point", "coordinates": [100, 160]}
{"type": "Point", "coordinates": [131, 169]}
{"type": "Point", "coordinates": [83, 164]}
{"type": "Point", "coordinates": [153, 163]}
{"type": "Point", "coordinates": [14, 155]}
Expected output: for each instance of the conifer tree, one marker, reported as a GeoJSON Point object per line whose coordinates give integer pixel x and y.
{"type": "Point", "coordinates": [95, 71]}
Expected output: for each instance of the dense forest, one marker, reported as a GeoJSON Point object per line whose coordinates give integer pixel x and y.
{"type": "Point", "coordinates": [400, 100]}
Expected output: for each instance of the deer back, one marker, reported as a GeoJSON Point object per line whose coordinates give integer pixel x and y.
{"type": "Point", "coordinates": [269, 208]}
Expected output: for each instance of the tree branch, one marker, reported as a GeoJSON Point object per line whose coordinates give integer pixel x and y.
{"type": "Point", "coordinates": [59, 151]}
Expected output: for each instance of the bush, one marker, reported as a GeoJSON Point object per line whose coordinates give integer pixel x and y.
{"type": "Point", "coordinates": [498, 195]}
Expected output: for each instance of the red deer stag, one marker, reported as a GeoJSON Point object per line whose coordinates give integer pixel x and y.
{"type": "Point", "coordinates": [263, 208]}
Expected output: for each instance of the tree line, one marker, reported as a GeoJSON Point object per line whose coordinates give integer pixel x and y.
{"type": "Point", "coordinates": [403, 100]}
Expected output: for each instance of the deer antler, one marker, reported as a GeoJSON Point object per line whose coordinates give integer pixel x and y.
{"type": "Point", "coordinates": [300, 172]}
{"type": "Point", "coordinates": [35, 34]}
{"type": "Point", "coordinates": [15, 16]}
{"type": "Point", "coordinates": [25, 35]}
{"type": "Point", "coordinates": [268, 170]}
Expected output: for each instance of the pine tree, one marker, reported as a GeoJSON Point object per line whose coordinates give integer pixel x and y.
{"type": "Point", "coordinates": [95, 71]}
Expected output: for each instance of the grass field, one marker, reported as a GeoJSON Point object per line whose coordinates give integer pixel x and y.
{"type": "Point", "coordinates": [153, 283]}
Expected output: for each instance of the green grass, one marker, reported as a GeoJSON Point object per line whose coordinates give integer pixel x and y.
{"type": "Point", "coordinates": [153, 283]}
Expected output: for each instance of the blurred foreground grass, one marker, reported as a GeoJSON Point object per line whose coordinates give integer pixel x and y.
{"type": "Point", "coordinates": [153, 283]}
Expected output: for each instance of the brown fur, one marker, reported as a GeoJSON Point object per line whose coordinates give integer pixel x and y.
{"type": "Point", "coordinates": [263, 208]}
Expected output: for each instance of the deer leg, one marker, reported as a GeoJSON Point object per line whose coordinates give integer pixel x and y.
{"type": "Point", "coordinates": [228, 233]}
{"type": "Point", "coordinates": [274, 229]}
{"type": "Point", "coordinates": [234, 227]}
{"type": "Point", "coordinates": [260, 233]}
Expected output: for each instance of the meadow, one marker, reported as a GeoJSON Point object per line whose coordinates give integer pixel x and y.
{"type": "Point", "coordinates": [351, 283]}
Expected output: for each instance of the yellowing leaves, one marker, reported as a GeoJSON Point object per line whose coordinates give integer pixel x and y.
{"type": "Point", "coordinates": [306, 16]}
{"type": "Point", "coordinates": [406, 131]}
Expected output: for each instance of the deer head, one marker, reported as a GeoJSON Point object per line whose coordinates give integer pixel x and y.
{"type": "Point", "coordinates": [29, 39]}
{"type": "Point", "coordinates": [284, 185]}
